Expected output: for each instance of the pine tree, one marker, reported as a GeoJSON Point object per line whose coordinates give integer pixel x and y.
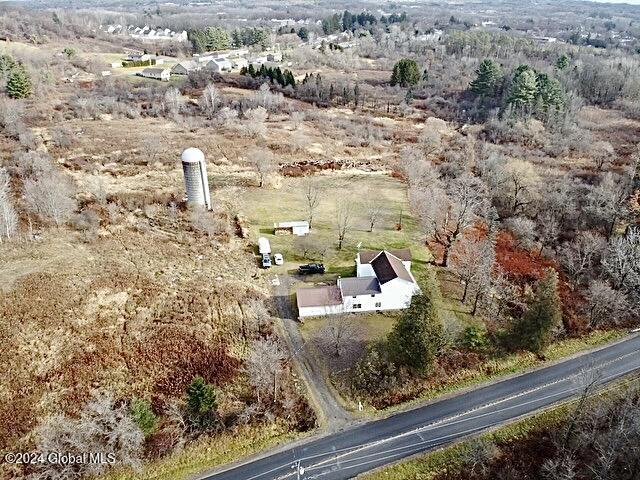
{"type": "Point", "coordinates": [550, 93]}
{"type": "Point", "coordinates": [417, 336]}
{"type": "Point", "coordinates": [487, 77]}
{"type": "Point", "coordinates": [405, 73]}
{"type": "Point", "coordinates": [562, 62]}
{"type": "Point", "coordinates": [19, 83]}
{"type": "Point", "coordinates": [142, 414]}
{"type": "Point", "coordinates": [201, 404]}
{"type": "Point", "coordinates": [524, 88]}
{"type": "Point", "coordinates": [535, 330]}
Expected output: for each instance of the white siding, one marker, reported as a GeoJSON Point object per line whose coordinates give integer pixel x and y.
{"type": "Point", "coordinates": [304, 312]}
{"type": "Point", "coordinates": [367, 303]}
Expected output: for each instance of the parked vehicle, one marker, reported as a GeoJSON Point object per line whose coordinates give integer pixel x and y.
{"type": "Point", "coordinates": [278, 259]}
{"type": "Point", "coordinates": [311, 268]}
{"type": "Point", "coordinates": [263, 246]}
{"type": "Point", "coordinates": [266, 260]}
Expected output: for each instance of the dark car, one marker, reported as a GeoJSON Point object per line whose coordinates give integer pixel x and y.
{"type": "Point", "coordinates": [311, 268]}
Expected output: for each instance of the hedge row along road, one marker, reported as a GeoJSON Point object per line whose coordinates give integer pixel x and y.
{"type": "Point", "coordinates": [363, 447]}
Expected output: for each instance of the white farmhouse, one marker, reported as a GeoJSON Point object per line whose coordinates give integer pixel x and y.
{"type": "Point", "coordinates": [383, 282]}
{"type": "Point", "coordinates": [162, 74]}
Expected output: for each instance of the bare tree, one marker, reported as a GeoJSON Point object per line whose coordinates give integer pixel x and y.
{"type": "Point", "coordinates": [50, 195]}
{"type": "Point", "coordinates": [255, 123]}
{"type": "Point", "coordinates": [297, 118]}
{"type": "Point", "coordinates": [8, 215]}
{"type": "Point", "coordinates": [338, 334]}
{"type": "Point", "coordinates": [210, 100]}
{"type": "Point", "coordinates": [472, 261]}
{"type": "Point", "coordinates": [103, 427]}
{"type": "Point", "coordinates": [580, 256]}
{"type": "Point", "coordinates": [343, 219]}
{"type": "Point", "coordinates": [604, 304]}
{"type": "Point", "coordinates": [622, 260]}
{"type": "Point", "coordinates": [152, 146]}
{"type": "Point", "coordinates": [312, 196]}
{"type": "Point", "coordinates": [263, 365]}
{"type": "Point", "coordinates": [374, 208]}
{"type": "Point", "coordinates": [263, 162]}
{"type": "Point", "coordinates": [445, 215]}
{"type": "Point", "coordinates": [173, 101]}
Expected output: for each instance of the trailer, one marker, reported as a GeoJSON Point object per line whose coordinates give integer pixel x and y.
{"type": "Point", "coordinates": [263, 246]}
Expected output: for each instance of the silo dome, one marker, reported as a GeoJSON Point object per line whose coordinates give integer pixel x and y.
{"type": "Point", "coordinates": [196, 181]}
{"type": "Point", "coordinates": [192, 155]}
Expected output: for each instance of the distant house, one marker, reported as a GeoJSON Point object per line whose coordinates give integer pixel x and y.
{"type": "Point", "coordinates": [299, 228]}
{"type": "Point", "coordinates": [138, 57]}
{"type": "Point", "coordinates": [162, 74]}
{"type": "Point", "coordinates": [383, 282]}
{"type": "Point", "coordinates": [274, 57]}
{"type": "Point", "coordinates": [219, 65]}
{"type": "Point", "coordinates": [183, 68]}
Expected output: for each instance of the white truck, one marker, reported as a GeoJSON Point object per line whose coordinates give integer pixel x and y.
{"type": "Point", "coordinates": [265, 251]}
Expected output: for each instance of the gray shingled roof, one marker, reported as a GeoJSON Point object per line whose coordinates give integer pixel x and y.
{"type": "Point", "coordinates": [360, 286]}
{"type": "Point", "coordinates": [318, 296]}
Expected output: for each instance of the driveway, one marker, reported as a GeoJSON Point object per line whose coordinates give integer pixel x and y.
{"type": "Point", "coordinates": [328, 408]}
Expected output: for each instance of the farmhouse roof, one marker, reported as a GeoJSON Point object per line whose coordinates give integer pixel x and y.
{"type": "Point", "coordinates": [360, 286]}
{"type": "Point", "coordinates": [388, 267]}
{"type": "Point", "coordinates": [150, 71]}
{"type": "Point", "coordinates": [367, 256]}
{"type": "Point", "coordinates": [318, 296]}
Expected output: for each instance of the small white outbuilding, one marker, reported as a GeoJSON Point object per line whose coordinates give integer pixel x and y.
{"type": "Point", "coordinates": [299, 228]}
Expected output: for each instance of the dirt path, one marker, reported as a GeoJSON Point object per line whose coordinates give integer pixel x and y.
{"type": "Point", "coordinates": [330, 411]}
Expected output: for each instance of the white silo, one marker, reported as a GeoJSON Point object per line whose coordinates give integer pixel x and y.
{"type": "Point", "coordinates": [196, 181]}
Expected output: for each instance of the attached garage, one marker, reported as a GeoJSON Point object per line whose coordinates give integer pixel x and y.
{"type": "Point", "coordinates": [319, 301]}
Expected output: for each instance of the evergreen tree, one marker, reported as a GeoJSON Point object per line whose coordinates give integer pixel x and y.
{"type": "Point", "coordinates": [19, 83]}
{"type": "Point", "coordinates": [347, 21]}
{"type": "Point", "coordinates": [524, 88]}
{"type": "Point", "coordinates": [303, 34]}
{"type": "Point", "coordinates": [7, 64]}
{"type": "Point", "coordinates": [143, 415]}
{"type": "Point", "coordinates": [550, 93]}
{"type": "Point", "coordinates": [487, 78]}
{"type": "Point", "coordinates": [201, 404]}
{"type": "Point", "coordinates": [417, 336]}
{"type": "Point", "coordinates": [405, 73]}
{"type": "Point", "coordinates": [562, 62]}
{"type": "Point", "coordinates": [251, 70]}
{"type": "Point", "coordinates": [535, 330]}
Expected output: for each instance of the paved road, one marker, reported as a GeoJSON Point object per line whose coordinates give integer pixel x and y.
{"type": "Point", "coordinates": [332, 413]}
{"type": "Point", "coordinates": [355, 450]}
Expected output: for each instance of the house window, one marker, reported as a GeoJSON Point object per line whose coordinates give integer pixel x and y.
{"type": "Point", "coordinates": [373, 294]}
{"type": "Point", "coordinates": [356, 305]}
{"type": "Point", "coordinates": [378, 304]}
{"type": "Point", "coordinates": [354, 296]}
